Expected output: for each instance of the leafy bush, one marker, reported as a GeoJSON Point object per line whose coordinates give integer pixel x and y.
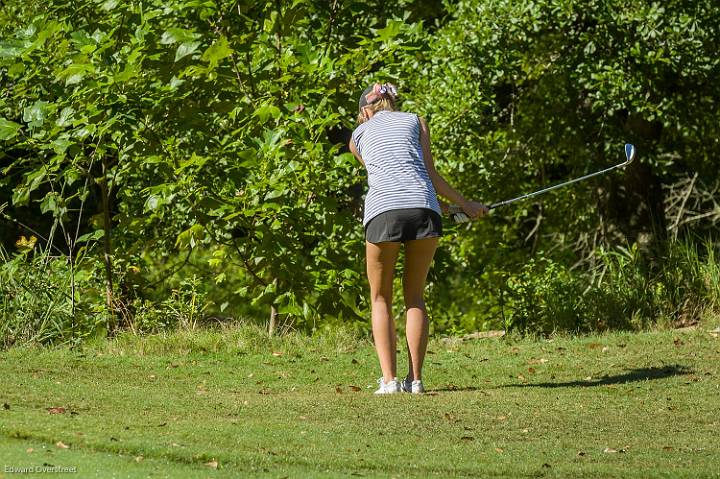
{"type": "Point", "coordinates": [631, 289]}
{"type": "Point", "coordinates": [185, 139]}
{"type": "Point", "coordinates": [44, 300]}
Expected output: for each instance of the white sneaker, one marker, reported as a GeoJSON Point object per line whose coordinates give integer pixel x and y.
{"type": "Point", "coordinates": [415, 387]}
{"type": "Point", "coordinates": [388, 388]}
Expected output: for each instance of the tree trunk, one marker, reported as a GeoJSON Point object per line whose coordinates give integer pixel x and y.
{"type": "Point", "coordinates": [273, 320]}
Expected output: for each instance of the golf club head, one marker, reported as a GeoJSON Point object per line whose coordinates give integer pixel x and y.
{"type": "Point", "coordinates": [629, 153]}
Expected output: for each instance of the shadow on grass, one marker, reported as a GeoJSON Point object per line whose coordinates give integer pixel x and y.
{"type": "Point", "coordinates": [454, 388]}
{"type": "Point", "coordinates": [633, 375]}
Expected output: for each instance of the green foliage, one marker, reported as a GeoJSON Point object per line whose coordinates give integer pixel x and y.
{"type": "Point", "coordinates": [205, 139]}
{"type": "Point", "coordinates": [43, 301]}
{"type": "Point", "coordinates": [627, 290]}
{"type": "Point", "coordinates": [203, 128]}
{"type": "Point", "coordinates": [526, 95]}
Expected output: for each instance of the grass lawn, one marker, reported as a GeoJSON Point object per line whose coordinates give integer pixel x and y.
{"type": "Point", "coordinates": [236, 404]}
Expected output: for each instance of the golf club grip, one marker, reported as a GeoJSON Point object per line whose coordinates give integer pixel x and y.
{"type": "Point", "coordinates": [457, 214]}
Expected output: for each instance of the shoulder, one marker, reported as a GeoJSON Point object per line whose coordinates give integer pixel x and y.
{"type": "Point", "coordinates": [402, 115]}
{"type": "Point", "coordinates": [412, 119]}
{"type": "Point", "coordinates": [358, 130]}
{"type": "Point", "coordinates": [400, 119]}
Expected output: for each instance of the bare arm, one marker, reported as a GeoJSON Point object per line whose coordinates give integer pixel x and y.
{"type": "Point", "coordinates": [442, 187]}
{"type": "Point", "coordinates": [355, 152]}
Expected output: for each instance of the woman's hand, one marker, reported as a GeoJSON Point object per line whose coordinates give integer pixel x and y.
{"type": "Point", "coordinates": [474, 209]}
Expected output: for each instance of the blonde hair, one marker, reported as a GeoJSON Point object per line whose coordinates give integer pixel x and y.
{"type": "Point", "coordinates": [385, 103]}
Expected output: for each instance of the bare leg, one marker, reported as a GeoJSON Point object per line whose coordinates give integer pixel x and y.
{"type": "Point", "coordinates": [381, 258]}
{"type": "Point", "coordinates": [418, 257]}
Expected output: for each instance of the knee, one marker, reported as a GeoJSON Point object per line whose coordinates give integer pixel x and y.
{"type": "Point", "coordinates": [414, 300]}
{"type": "Point", "coordinates": [380, 297]}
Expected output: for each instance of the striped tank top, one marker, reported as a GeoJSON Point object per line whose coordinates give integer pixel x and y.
{"type": "Point", "coordinates": [389, 144]}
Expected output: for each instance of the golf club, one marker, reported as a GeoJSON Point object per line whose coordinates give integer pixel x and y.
{"type": "Point", "coordinates": [459, 216]}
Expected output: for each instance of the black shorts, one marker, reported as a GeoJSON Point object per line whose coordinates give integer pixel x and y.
{"type": "Point", "coordinates": [404, 225]}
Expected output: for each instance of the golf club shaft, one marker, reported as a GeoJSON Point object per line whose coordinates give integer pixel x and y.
{"type": "Point", "coordinates": [554, 187]}
{"type": "Point", "coordinates": [460, 216]}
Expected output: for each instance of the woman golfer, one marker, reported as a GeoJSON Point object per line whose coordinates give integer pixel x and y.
{"type": "Point", "coordinates": [401, 206]}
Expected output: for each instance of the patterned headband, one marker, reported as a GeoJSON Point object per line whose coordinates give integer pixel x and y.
{"type": "Point", "coordinates": [376, 92]}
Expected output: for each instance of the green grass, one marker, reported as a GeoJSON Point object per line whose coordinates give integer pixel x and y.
{"type": "Point", "coordinates": [168, 406]}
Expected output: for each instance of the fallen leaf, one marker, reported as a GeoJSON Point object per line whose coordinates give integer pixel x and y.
{"type": "Point", "coordinates": [212, 464]}
{"type": "Point", "coordinates": [355, 389]}
{"type": "Point", "coordinates": [609, 450]}
{"type": "Point", "coordinates": [6, 406]}
{"type": "Point", "coordinates": [678, 342]}
{"type": "Point", "coordinates": [581, 453]}
{"type": "Point", "coordinates": [323, 358]}
{"type": "Point", "coordinates": [606, 349]}
{"type": "Point", "coordinates": [594, 345]}
{"type": "Point", "coordinates": [589, 378]}
{"type": "Point", "coordinates": [29, 450]}
{"type": "Point", "coordinates": [338, 390]}
{"type": "Point", "coordinates": [499, 450]}
{"type": "Point", "coordinates": [531, 370]}
{"type": "Point", "coordinates": [537, 361]}
{"type": "Point", "coordinates": [521, 377]}
{"type": "Point", "coordinates": [56, 410]}
{"type": "Point", "coordinates": [139, 458]}
{"type": "Point", "coordinates": [467, 438]}
{"type": "Point", "coordinates": [354, 361]}
{"type": "Point", "coordinates": [667, 448]}
{"type": "Point", "coordinates": [484, 335]}
{"type": "Point", "coordinates": [546, 466]}
{"type": "Point", "coordinates": [61, 445]}
{"type": "Point", "coordinates": [277, 353]}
